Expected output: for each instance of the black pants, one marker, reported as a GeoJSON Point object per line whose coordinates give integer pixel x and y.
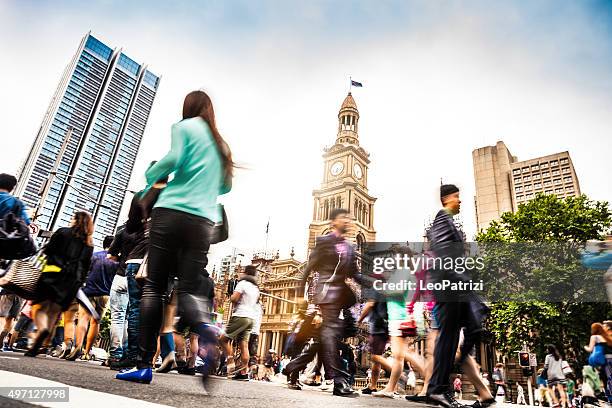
{"type": "Point", "coordinates": [178, 246]}
{"type": "Point", "coordinates": [331, 333]}
{"type": "Point", "coordinates": [452, 317]}
{"type": "Point", "coordinates": [300, 362]}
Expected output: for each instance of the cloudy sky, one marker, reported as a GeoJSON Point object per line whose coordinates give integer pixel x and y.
{"type": "Point", "coordinates": [440, 79]}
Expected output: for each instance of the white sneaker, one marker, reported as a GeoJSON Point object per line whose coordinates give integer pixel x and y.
{"type": "Point", "coordinates": [327, 384]}
{"type": "Point", "coordinates": [383, 394]}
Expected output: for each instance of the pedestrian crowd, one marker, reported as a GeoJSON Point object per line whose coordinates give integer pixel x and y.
{"type": "Point", "coordinates": [152, 277]}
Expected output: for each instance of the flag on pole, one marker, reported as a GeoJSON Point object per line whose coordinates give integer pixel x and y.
{"type": "Point", "coordinates": [356, 84]}
{"type": "Point", "coordinates": [268, 227]}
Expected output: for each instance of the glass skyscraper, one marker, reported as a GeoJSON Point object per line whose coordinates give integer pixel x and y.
{"type": "Point", "coordinates": [90, 135]}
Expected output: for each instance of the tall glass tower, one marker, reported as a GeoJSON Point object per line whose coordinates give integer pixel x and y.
{"type": "Point", "coordinates": [85, 149]}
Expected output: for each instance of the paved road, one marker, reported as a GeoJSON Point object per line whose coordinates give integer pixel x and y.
{"type": "Point", "coordinates": [166, 389]}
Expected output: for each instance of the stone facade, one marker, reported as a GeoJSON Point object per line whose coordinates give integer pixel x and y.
{"type": "Point", "coordinates": [502, 182]}
{"type": "Point", "coordinates": [345, 181]}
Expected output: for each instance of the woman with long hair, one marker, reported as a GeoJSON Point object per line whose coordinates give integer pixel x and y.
{"type": "Point", "coordinates": [556, 378]}
{"type": "Point", "coordinates": [68, 258]}
{"type": "Point", "coordinates": [181, 224]}
{"type": "Point", "coordinates": [600, 347]}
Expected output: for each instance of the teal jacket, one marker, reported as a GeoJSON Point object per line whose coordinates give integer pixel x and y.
{"type": "Point", "coordinates": [197, 166]}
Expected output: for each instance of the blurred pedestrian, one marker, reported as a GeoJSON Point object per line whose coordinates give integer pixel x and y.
{"type": "Point", "coordinates": [68, 258]}
{"type": "Point", "coordinates": [182, 225]}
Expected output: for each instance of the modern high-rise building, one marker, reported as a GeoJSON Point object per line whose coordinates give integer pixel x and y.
{"type": "Point", "coordinates": [85, 148]}
{"type": "Point", "coordinates": [503, 182]}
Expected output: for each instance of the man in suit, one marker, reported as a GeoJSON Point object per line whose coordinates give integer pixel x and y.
{"type": "Point", "coordinates": [335, 261]}
{"type": "Point", "coordinates": [456, 309]}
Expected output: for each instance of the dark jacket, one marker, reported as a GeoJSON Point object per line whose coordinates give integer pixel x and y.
{"type": "Point", "coordinates": [73, 256]}
{"type": "Point", "coordinates": [101, 274]}
{"type": "Point", "coordinates": [138, 228]}
{"type": "Point", "coordinates": [447, 241]}
{"type": "Point", "coordinates": [333, 269]}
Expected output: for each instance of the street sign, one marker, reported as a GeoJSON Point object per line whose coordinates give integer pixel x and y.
{"type": "Point", "coordinates": [533, 362]}
{"type": "Point", "coordinates": [34, 229]}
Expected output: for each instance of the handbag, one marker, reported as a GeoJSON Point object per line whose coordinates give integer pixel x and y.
{"type": "Point", "coordinates": [565, 368]}
{"type": "Point", "coordinates": [24, 274]}
{"type": "Point", "coordinates": [15, 239]}
{"type": "Point", "coordinates": [219, 231]}
{"type": "Point", "coordinates": [143, 272]}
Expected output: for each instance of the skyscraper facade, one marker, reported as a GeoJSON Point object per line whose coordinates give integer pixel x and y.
{"type": "Point", "coordinates": [85, 148]}
{"type": "Point", "coordinates": [503, 182]}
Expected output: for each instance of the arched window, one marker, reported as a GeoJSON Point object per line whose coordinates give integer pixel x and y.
{"type": "Point", "coordinates": [326, 209]}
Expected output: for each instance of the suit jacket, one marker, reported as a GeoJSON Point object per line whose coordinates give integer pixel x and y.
{"type": "Point", "coordinates": [333, 269]}
{"type": "Point", "coordinates": [446, 242]}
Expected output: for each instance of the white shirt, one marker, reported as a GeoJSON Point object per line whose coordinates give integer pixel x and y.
{"type": "Point", "coordinates": [257, 320]}
{"type": "Point", "coordinates": [246, 306]}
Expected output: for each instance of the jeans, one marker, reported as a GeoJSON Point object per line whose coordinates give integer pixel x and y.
{"type": "Point", "coordinates": [119, 299]}
{"type": "Point", "coordinates": [178, 247]}
{"type": "Point", "coordinates": [133, 312]}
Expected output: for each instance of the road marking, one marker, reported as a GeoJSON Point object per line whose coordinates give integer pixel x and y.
{"type": "Point", "coordinates": [10, 358]}
{"type": "Point", "coordinates": [79, 397]}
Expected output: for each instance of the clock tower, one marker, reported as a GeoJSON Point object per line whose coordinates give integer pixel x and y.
{"type": "Point", "coordinates": [345, 181]}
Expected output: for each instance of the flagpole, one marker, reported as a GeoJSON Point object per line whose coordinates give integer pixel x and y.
{"type": "Point", "coordinates": [350, 83]}
{"type": "Point", "coordinates": [267, 234]}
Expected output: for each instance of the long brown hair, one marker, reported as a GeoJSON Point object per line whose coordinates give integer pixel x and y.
{"type": "Point", "coordinates": [83, 226]}
{"type": "Point", "coordinates": [598, 329]}
{"type": "Point", "coordinates": [198, 103]}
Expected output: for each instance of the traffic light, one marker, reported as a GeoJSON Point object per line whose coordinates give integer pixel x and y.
{"type": "Point", "coordinates": [527, 372]}
{"type": "Point", "coordinates": [524, 359]}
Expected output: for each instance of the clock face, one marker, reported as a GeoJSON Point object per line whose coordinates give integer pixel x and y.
{"type": "Point", "coordinates": [357, 171]}
{"type": "Point", "coordinates": [337, 168]}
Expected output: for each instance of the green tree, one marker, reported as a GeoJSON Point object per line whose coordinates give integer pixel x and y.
{"type": "Point", "coordinates": [548, 220]}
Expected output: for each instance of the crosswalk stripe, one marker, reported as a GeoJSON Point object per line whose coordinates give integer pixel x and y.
{"type": "Point", "coordinates": [78, 397]}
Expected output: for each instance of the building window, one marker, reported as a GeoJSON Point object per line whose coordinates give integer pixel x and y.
{"type": "Point", "coordinates": [567, 179]}
{"type": "Point", "coordinates": [519, 198]}
{"type": "Point", "coordinates": [558, 190]}
{"type": "Point", "coordinates": [556, 172]}
{"type": "Point", "coordinates": [537, 185]}
{"type": "Point", "coordinates": [564, 161]}
{"type": "Point", "coordinates": [525, 169]}
{"type": "Point", "coordinates": [527, 178]}
{"type": "Point", "coordinates": [546, 174]}
{"type": "Point", "coordinates": [536, 176]}
{"type": "Point", "coordinates": [566, 170]}
{"type": "Point", "coordinates": [544, 165]}
{"type": "Point", "coordinates": [557, 181]}
{"type": "Point", "coordinates": [516, 171]}
{"type": "Point", "coordinates": [528, 187]}
{"type": "Point", "coordinates": [518, 189]}
{"type": "Point", "coordinates": [554, 163]}
{"type": "Point", "coordinates": [535, 167]}
{"type": "Point", "coordinates": [517, 181]}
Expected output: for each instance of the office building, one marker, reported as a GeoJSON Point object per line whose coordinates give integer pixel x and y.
{"type": "Point", "coordinates": [503, 182]}
{"type": "Point", "coordinates": [84, 151]}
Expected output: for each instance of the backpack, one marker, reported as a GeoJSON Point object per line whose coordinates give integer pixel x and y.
{"type": "Point", "coordinates": [15, 239]}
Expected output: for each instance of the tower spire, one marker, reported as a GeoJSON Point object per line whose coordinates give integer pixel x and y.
{"type": "Point", "coordinates": [348, 119]}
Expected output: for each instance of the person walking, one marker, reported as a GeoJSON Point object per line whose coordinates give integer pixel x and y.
{"type": "Point", "coordinates": [97, 289]}
{"type": "Point", "coordinates": [455, 309]}
{"type": "Point", "coordinates": [240, 325]}
{"type": "Point", "coordinates": [68, 255]}
{"type": "Point", "coordinates": [334, 258]}
{"type": "Point", "coordinates": [182, 223]}
{"type": "Point", "coordinates": [554, 375]}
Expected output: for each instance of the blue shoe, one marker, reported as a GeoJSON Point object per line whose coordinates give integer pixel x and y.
{"type": "Point", "coordinates": [7, 348]}
{"type": "Point", "coordinates": [143, 375]}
